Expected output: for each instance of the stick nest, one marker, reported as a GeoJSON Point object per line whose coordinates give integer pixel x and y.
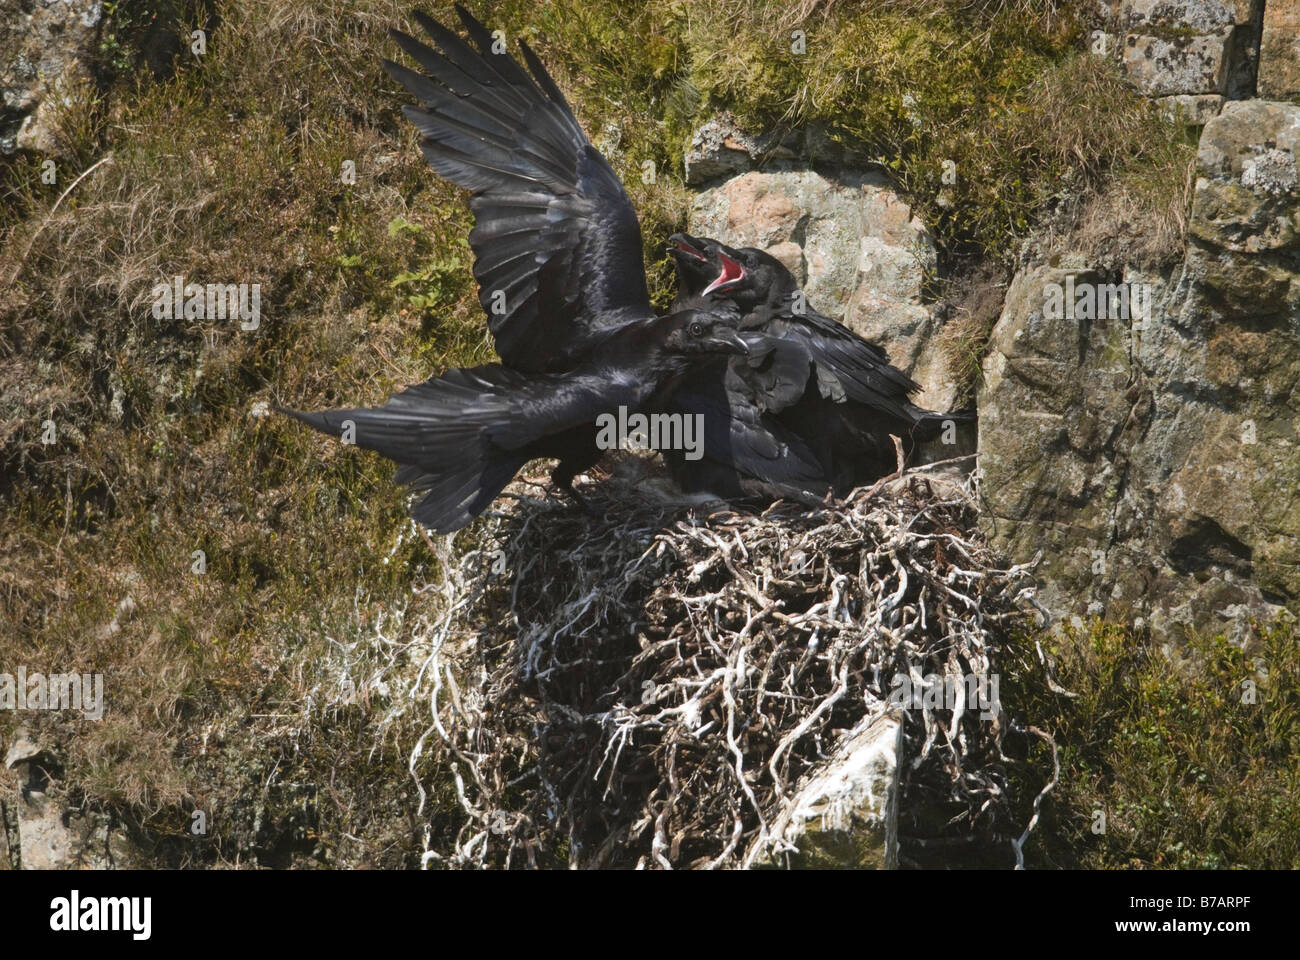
{"type": "Point", "coordinates": [646, 687]}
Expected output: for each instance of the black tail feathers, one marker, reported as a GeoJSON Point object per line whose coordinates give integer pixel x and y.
{"type": "Point", "coordinates": [928, 424]}
{"type": "Point", "coordinates": [436, 431]}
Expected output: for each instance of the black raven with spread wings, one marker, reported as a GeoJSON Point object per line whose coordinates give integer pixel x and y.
{"type": "Point", "coordinates": [557, 251]}
{"type": "Point", "coordinates": [827, 392]}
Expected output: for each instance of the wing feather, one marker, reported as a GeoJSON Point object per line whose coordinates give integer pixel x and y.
{"type": "Point", "coordinates": [556, 241]}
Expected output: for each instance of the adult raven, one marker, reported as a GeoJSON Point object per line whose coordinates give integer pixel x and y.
{"type": "Point", "coordinates": [556, 239]}
{"type": "Point", "coordinates": [557, 251]}
{"type": "Point", "coordinates": [812, 381]}
{"type": "Point", "coordinates": [462, 436]}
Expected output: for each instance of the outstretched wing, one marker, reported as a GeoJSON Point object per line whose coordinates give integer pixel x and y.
{"type": "Point", "coordinates": [460, 437]}
{"type": "Point", "coordinates": [556, 241]}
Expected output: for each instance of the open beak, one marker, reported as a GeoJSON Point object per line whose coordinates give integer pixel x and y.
{"type": "Point", "coordinates": [682, 247]}
{"type": "Point", "coordinates": [732, 273]}
{"type": "Point", "coordinates": [729, 341]}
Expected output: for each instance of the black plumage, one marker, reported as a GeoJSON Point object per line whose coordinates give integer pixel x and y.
{"type": "Point", "coordinates": [462, 436]}
{"type": "Point", "coordinates": [809, 382]}
{"type": "Point", "coordinates": [556, 240]}
{"type": "Point", "coordinates": [557, 250]}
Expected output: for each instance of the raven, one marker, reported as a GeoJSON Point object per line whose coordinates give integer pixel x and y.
{"type": "Point", "coordinates": [808, 380]}
{"type": "Point", "coordinates": [462, 436]}
{"type": "Point", "coordinates": [557, 249]}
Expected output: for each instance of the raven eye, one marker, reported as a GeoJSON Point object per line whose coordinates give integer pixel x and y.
{"type": "Point", "coordinates": [697, 329]}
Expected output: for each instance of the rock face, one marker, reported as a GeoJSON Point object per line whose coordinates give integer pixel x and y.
{"type": "Point", "coordinates": [1194, 109]}
{"type": "Point", "coordinates": [1153, 456]}
{"type": "Point", "coordinates": [720, 148]}
{"type": "Point", "coordinates": [1279, 51]}
{"type": "Point", "coordinates": [44, 49]}
{"type": "Point", "coordinates": [857, 250]}
{"type": "Point", "coordinates": [1184, 47]}
{"type": "Point", "coordinates": [39, 833]}
{"type": "Point", "coordinates": [845, 813]}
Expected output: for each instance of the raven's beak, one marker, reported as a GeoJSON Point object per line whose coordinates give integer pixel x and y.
{"type": "Point", "coordinates": [732, 273]}
{"type": "Point", "coordinates": [729, 341]}
{"type": "Point", "coordinates": [684, 246]}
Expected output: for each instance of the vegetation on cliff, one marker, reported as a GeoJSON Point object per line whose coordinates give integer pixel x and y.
{"type": "Point", "coordinates": [256, 689]}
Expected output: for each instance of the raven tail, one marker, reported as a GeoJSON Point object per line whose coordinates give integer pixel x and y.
{"type": "Point", "coordinates": [436, 431]}
{"type": "Point", "coordinates": [928, 424]}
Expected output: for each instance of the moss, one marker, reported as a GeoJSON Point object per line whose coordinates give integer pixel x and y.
{"type": "Point", "coordinates": [1184, 759]}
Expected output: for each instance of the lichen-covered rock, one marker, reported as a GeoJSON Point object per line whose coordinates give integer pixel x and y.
{"type": "Point", "coordinates": [1194, 109]}
{"type": "Point", "coordinates": [1189, 65]}
{"type": "Point", "coordinates": [1279, 51]}
{"type": "Point", "coordinates": [56, 838]}
{"type": "Point", "coordinates": [721, 148]}
{"type": "Point", "coordinates": [854, 245]}
{"type": "Point", "coordinates": [1053, 407]}
{"type": "Point", "coordinates": [47, 834]}
{"type": "Point", "coordinates": [1154, 460]}
{"type": "Point", "coordinates": [1170, 48]}
{"type": "Point", "coordinates": [1245, 195]}
{"type": "Point", "coordinates": [44, 49]}
{"type": "Point", "coordinates": [1200, 16]}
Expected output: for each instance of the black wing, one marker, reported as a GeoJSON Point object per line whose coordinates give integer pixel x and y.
{"type": "Point", "coordinates": [557, 244]}
{"type": "Point", "coordinates": [741, 440]}
{"type": "Point", "coordinates": [848, 363]}
{"type": "Point", "coordinates": [776, 370]}
{"type": "Point", "coordinates": [461, 437]}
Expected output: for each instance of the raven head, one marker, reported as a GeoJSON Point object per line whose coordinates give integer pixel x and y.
{"type": "Point", "coordinates": [698, 331]}
{"type": "Point", "coordinates": [749, 277]}
{"type": "Point", "coordinates": [705, 266]}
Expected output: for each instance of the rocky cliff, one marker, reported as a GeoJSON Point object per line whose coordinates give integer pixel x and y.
{"type": "Point", "coordinates": [1138, 425]}
{"type": "Point", "coordinates": [45, 50]}
{"type": "Point", "coordinates": [1153, 454]}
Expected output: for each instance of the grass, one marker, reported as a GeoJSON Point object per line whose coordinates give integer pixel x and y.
{"type": "Point", "coordinates": [226, 690]}
{"type": "Point", "coordinates": [228, 174]}
{"type": "Point", "coordinates": [1178, 759]}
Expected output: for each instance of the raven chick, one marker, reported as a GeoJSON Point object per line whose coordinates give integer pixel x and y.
{"type": "Point", "coordinates": [812, 377]}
